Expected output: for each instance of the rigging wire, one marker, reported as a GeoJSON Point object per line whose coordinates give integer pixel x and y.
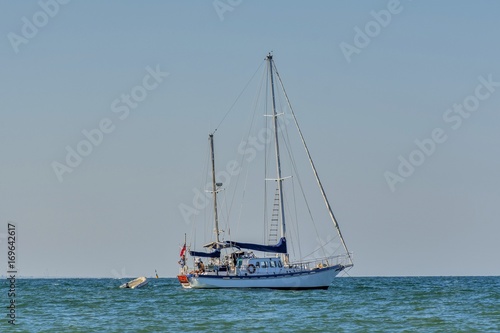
{"type": "Point", "coordinates": [299, 182]}
{"type": "Point", "coordinates": [206, 213]}
{"type": "Point", "coordinates": [283, 132]}
{"type": "Point", "coordinates": [334, 220]}
{"type": "Point", "coordinates": [291, 229]}
{"type": "Point", "coordinates": [293, 163]}
{"type": "Point", "coordinates": [202, 187]}
{"type": "Point", "coordinates": [286, 139]}
{"type": "Point", "coordinates": [296, 215]}
{"type": "Point", "coordinates": [322, 247]}
{"type": "Point", "coordinates": [237, 98]}
{"type": "Point", "coordinates": [242, 201]}
{"type": "Point", "coordinates": [226, 215]}
{"type": "Point", "coordinates": [242, 157]}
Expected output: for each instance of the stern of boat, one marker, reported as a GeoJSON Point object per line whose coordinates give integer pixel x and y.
{"type": "Point", "coordinates": [184, 281]}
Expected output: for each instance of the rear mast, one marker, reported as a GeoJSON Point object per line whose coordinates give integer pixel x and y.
{"type": "Point", "coordinates": [214, 190]}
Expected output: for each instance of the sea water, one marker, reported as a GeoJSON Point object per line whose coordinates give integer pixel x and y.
{"type": "Point", "coordinates": [382, 304]}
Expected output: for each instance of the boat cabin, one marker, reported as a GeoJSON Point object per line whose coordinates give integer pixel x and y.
{"type": "Point", "coordinates": [259, 266]}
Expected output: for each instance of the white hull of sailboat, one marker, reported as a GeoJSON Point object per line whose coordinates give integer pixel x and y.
{"type": "Point", "coordinates": [313, 279]}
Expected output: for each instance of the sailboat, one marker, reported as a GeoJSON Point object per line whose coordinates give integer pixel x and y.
{"type": "Point", "coordinates": [236, 264]}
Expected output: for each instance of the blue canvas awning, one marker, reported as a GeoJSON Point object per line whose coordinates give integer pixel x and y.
{"type": "Point", "coordinates": [278, 248]}
{"type": "Point", "coordinates": [215, 254]}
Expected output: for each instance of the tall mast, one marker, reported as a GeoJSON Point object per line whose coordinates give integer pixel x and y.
{"type": "Point", "coordinates": [214, 188]}
{"type": "Point", "coordinates": [279, 179]}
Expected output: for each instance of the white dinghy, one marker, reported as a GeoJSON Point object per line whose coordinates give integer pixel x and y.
{"type": "Point", "coordinates": [136, 283]}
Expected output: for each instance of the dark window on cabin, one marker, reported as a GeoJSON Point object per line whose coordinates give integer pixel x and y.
{"type": "Point", "coordinates": [257, 264]}
{"type": "Point", "coordinates": [280, 264]}
{"type": "Point", "coordinates": [273, 263]}
{"type": "Point", "coordinates": [263, 264]}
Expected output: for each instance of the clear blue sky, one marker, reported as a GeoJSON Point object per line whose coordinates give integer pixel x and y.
{"type": "Point", "coordinates": [117, 213]}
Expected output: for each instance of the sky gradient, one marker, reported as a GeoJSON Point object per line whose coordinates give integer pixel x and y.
{"type": "Point", "coordinates": [411, 67]}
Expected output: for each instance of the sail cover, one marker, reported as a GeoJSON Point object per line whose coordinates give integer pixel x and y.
{"type": "Point", "coordinates": [278, 248]}
{"type": "Point", "coordinates": [215, 254]}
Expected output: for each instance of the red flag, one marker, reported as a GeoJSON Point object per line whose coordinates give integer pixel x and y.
{"type": "Point", "coordinates": [183, 251]}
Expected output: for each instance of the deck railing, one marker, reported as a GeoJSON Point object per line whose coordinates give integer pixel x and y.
{"type": "Point", "coordinates": [343, 259]}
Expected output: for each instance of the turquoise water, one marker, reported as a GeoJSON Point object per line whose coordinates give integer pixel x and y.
{"type": "Point", "coordinates": [412, 304]}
